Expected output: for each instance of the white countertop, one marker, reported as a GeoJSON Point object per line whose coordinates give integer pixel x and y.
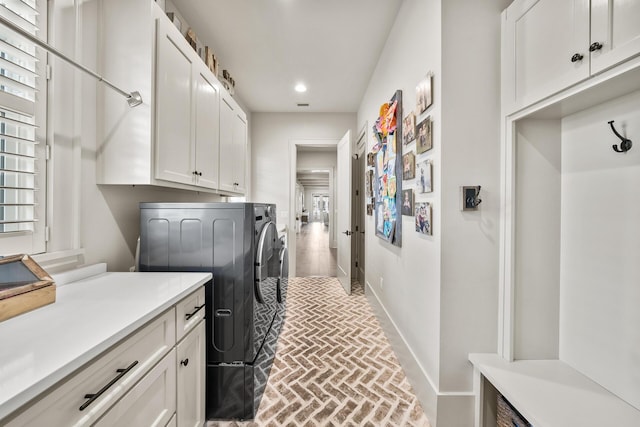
{"type": "Point", "coordinates": [550, 393]}
{"type": "Point", "coordinates": [39, 348]}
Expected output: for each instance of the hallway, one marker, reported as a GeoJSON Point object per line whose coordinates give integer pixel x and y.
{"type": "Point", "coordinates": [313, 255]}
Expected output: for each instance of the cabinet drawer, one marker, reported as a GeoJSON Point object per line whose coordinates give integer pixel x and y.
{"type": "Point", "coordinates": [189, 312]}
{"type": "Point", "coordinates": [152, 402]}
{"type": "Point", "coordinates": [109, 377]}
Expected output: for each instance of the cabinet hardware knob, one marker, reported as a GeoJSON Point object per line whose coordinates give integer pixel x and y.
{"type": "Point", "coordinates": [199, 173]}
{"type": "Point", "coordinates": [595, 46]}
{"type": "Point", "coordinates": [194, 173]}
{"type": "Point", "coordinates": [184, 362]}
{"type": "Point", "coordinates": [577, 57]}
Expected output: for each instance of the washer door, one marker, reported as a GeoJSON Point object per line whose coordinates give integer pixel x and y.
{"type": "Point", "coordinates": [267, 261]}
{"type": "Point", "coordinates": [267, 265]}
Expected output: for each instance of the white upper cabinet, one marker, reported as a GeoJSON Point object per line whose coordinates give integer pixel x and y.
{"type": "Point", "coordinates": [175, 150]}
{"type": "Point", "coordinates": [615, 32]}
{"type": "Point", "coordinates": [187, 113]}
{"type": "Point", "coordinates": [207, 128]}
{"type": "Point", "coordinates": [184, 134]}
{"type": "Point", "coordinates": [550, 45]}
{"type": "Point", "coordinates": [233, 146]}
{"type": "Point", "coordinates": [545, 46]}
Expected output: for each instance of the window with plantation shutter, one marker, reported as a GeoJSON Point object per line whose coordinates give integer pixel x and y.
{"type": "Point", "coordinates": [22, 137]}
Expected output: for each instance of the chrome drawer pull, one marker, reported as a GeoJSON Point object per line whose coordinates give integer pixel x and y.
{"type": "Point", "coordinates": [93, 397]}
{"type": "Point", "coordinates": [190, 315]}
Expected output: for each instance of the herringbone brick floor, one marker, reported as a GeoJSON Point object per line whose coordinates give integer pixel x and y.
{"type": "Point", "coordinates": [334, 365]}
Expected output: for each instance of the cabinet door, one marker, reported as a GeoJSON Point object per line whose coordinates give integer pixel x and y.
{"type": "Point", "coordinates": [174, 96]}
{"type": "Point", "coordinates": [227, 160]}
{"type": "Point", "coordinates": [191, 381]}
{"type": "Point", "coordinates": [152, 402]}
{"type": "Point", "coordinates": [239, 151]}
{"type": "Point", "coordinates": [207, 128]}
{"type": "Point", "coordinates": [542, 39]}
{"type": "Point", "coordinates": [615, 24]}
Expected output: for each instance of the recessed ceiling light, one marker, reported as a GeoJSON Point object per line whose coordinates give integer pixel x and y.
{"type": "Point", "coordinates": [300, 87]}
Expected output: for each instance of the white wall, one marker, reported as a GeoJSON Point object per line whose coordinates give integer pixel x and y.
{"type": "Point", "coordinates": [406, 280]}
{"type": "Point", "coordinates": [470, 156]}
{"type": "Point", "coordinates": [272, 135]}
{"type": "Point", "coordinates": [599, 272]}
{"type": "Point", "coordinates": [440, 292]}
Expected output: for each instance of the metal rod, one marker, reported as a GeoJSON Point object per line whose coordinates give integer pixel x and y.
{"type": "Point", "coordinates": [133, 98]}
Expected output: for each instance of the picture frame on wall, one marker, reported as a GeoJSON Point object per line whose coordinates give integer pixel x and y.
{"type": "Point", "coordinates": [424, 94]}
{"type": "Point", "coordinates": [371, 159]}
{"type": "Point", "coordinates": [368, 183]}
{"type": "Point", "coordinates": [409, 128]}
{"type": "Point", "coordinates": [424, 177]}
{"type": "Point", "coordinates": [424, 224]}
{"type": "Point", "coordinates": [388, 165]}
{"type": "Point", "coordinates": [407, 202]}
{"type": "Point", "coordinates": [409, 166]}
{"type": "Point", "coordinates": [424, 135]}
{"type": "Point", "coordinates": [370, 209]}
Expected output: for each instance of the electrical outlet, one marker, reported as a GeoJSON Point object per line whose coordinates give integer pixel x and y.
{"type": "Point", "coordinates": [469, 199]}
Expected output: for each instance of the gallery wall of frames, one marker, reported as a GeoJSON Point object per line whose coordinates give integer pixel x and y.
{"type": "Point", "coordinates": [398, 184]}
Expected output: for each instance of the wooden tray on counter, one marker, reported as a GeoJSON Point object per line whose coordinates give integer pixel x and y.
{"type": "Point", "coordinates": [24, 286]}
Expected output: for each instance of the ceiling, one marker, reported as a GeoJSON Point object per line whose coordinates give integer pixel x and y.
{"type": "Point", "coordinates": [313, 179]}
{"type": "Point", "coordinates": [269, 46]}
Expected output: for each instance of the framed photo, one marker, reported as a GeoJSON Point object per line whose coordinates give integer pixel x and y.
{"type": "Point", "coordinates": [424, 138]}
{"type": "Point", "coordinates": [370, 209]}
{"type": "Point", "coordinates": [409, 128]}
{"type": "Point", "coordinates": [409, 166]}
{"type": "Point", "coordinates": [371, 159]}
{"type": "Point", "coordinates": [407, 202]}
{"type": "Point", "coordinates": [424, 94]}
{"type": "Point", "coordinates": [424, 177]}
{"type": "Point", "coordinates": [423, 218]}
{"type": "Point", "coordinates": [388, 165]}
{"type": "Point", "coordinates": [368, 183]}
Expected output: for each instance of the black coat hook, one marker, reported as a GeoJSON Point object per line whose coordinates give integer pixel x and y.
{"type": "Point", "coordinates": [625, 143]}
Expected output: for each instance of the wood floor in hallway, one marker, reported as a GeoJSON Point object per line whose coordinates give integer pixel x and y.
{"type": "Point", "coordinates": [313, 255]}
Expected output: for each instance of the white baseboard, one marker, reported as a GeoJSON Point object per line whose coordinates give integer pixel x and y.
{"type": "Point", "coordinates": [444, 409]}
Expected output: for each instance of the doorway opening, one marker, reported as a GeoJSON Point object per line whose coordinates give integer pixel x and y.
{"type": "Point", "coordinates": [315, 247]}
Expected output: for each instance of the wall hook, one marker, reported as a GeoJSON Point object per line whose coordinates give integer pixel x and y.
{"type": "Point", "coordinates": [625, 143]}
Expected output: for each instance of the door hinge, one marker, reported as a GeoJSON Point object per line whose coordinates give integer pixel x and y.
{"type": "Point", "coordinates": [356, 228]}
{"type": "Point", "coordinates": [47, 152]}
{"type": "Point", "coordinates": [356, 263]}
{"type": "Point", "coordinates": [47, 233]}
{"type": "Point", "coordinates": [357, 192]}
{"type": "Point", "coordinates": [48, 71]}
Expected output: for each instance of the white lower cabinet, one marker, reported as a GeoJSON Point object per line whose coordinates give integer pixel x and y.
{"type": "Point", "coordinates": [191, 372]}
{"type": "Point", "coordinates": [145, 380]}
{"type": "Point", "coordinates": [83, 398]}
{"type": "Point", "coordinates": [151, 403]}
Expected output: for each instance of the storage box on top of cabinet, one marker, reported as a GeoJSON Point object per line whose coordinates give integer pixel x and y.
{"type": "Point", "coordinates": [182, 136]}
{"type": "Point", "coordinates": [550, 45]}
